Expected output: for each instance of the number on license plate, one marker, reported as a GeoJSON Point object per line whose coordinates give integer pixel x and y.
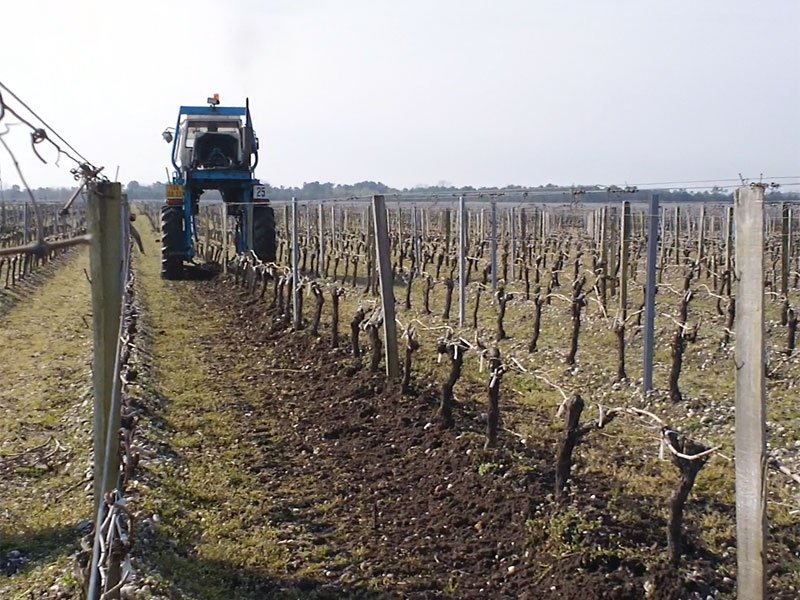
{"type": "Point", "coordinates": [259, 192]}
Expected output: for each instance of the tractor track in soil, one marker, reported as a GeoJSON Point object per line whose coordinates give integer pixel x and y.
{"type": "Point", "coordinates": [368, 498]}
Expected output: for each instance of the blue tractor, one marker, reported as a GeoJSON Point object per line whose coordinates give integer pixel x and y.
{"type": "Point", "coordinates": [214, 148]}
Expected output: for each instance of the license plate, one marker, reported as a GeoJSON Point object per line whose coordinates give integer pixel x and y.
{"type": "Point", "coordinates": [174, 192]}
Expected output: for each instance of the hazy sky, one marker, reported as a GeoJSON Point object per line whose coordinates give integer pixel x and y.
{"type": "Point", "coordinates": [419, 91]}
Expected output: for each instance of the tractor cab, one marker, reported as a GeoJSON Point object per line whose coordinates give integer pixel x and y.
{"type": "Point", "coordinates": [210, 143]}
{"type": "Point", "coordinates": [212, 137]}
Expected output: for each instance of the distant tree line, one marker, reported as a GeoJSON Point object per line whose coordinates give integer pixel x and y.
{"type": "Point", "coordinates": [314, 190]}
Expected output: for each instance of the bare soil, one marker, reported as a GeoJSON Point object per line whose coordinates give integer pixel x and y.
{"type": "Point", "coordinates": [373, 499]}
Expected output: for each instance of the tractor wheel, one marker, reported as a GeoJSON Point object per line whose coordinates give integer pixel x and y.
{"type": "Point", "coordinates": [264, 243]}
{"type": "Point", "coordinates": [171, 242]}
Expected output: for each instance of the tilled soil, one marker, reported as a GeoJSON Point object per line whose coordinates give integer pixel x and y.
{"type": "Point", "coordinates": [399, 507]}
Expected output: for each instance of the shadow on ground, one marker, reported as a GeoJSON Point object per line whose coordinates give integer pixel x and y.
{"type": "Point", "coordinates": [18, 553]}
{"type": "Point", "coordinates": [190, 575]}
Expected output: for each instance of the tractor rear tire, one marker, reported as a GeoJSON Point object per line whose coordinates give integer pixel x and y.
{"type": "Point", "coordinates": [264, 242]}
{"type": "Point", "coordinates": [171, 242]}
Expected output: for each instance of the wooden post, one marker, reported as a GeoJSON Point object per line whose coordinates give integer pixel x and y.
{"type": "Point", "coordinates": [728, 237]}
{"type": "Point", "coordinates": [384, 261]}
{"type": "Point", "coordinates": [493, 224]}
{"type": "Point", "coordinates": [105, 225]}
{"type": "Point", "coordinates": [677, 241]}
{"type": "Point", "coordinates": [333, 227]}
{"type": "Point", "coordinates": [287, 232]}
{"type": "Point", "coordinates": [613, 252]}
{"type": "Point", "coordinates": [462, 261]}
{"type": "Point", "coordinates": [308, 227]}
{"type": "Point", "coordinates": [791, 235]}
{"type": "Point", "coordinates": [545, 224]}
{"type": "Point", "coordinates": [513, 234]}
{"type": "Point", "coordinates": [625, 236]}
{"type": "Point", "coordinates": [295, 254]}
{"type": "Point", "coordinates": [785, 250]}
{"type": "Point", "coordinates": [650, 294]}
{"type": "Point", "coordinates": [415, 249]}
{"type": "Point", "coordinates": [321, 224]}
{"type": "Point", "coordinates": [26, 224]}
{"type": "Point", "coordinates": [701, 227]}
{"type": "Point", "coordinates": [751, 455]}
{"type": "Point", "coordinates": [604, 238]}
{"type": "Point", "coordinates": [446, 217]}
{"type": "Point", "coordinates": [224, 216]}
{"type": "Point", "coordinates": [106, 264]}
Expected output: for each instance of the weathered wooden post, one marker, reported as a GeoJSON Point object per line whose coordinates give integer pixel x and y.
{"type": "Point", "coordinates": [333, 227]}
{"type": "Point", "coordinates": [415, 249]}
{"type": "Point", "coordinates": [785, 250]}
{"type": "Point", "coordinates": [729, 217]}
{"type": "Point", "coordinates": [701, 226]}
{"type": "Point", "coordinates": [513, 233]}
{"type": "Point", "coordinates": [624, 252]}
{"type": "Point", "coordinates": [308, 224]}
{"type": "Point", "coordinates": [446, 217]}
{"type": "Point", "coordinates": [650, 294]}
{"type": "Point", "coordinates": [26, 224]}
{"type": "Point", "coordinates": [105, 224]}
{"type": "Point", "coordinates": [613, 252]}
{"type": "Point", "coordinates": [287, 232]}
{"type": "Point", "coordinates": [493, 244]}
{"type": "Point", "coordinates": [321, 234]}
{"type": "Point", "coordinates": [106, 264]}
{"type": "Point", "coordinates": [751, 418]}
{"type": "Point", "coordinates": [663, 241]}
{"type": "Point", "coordinates": [462, 261]}
{"type": "Point", "coordinates": [603, 251]}
{"type": "Point", "coordinates": [625, 233]}
{"type": "Point", "coordinates": [384, 260]}
{"type": "Point", "coordinates": [296, 316]}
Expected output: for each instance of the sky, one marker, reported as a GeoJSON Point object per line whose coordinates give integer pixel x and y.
{"type": "Point", "coordinates": [418, 92]}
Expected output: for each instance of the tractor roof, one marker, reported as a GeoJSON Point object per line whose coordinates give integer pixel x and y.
{"type": "Point", "coordinates": [214, 111]}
